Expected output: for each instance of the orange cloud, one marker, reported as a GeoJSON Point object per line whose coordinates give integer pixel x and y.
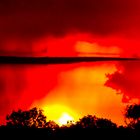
{"type": "Point", "coordinates": [93, 49]}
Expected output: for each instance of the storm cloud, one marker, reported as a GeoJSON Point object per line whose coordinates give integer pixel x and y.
{"type": "Point", "coordinates": [34, 18]}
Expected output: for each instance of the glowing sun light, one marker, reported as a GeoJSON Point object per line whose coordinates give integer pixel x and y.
{"type": "Point", "coordinates": [64, 119]}
{"type": "Point", "coordinates": [59, 113]}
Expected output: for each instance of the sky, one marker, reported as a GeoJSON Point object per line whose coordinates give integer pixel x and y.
{"type": "Point", "coordinates": [70, 28]}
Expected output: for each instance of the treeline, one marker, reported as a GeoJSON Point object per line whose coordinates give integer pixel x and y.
{"type": "Point", "coordinates": [87, 126]}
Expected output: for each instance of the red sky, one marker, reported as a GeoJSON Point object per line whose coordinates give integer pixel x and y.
{"type": "Point", "coordinates": [70, 28]}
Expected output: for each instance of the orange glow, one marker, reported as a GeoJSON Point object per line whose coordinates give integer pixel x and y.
{"type": "Point", "coordinates": [74, 89]}
{"type": "Point", "coordinates": [81, 91]}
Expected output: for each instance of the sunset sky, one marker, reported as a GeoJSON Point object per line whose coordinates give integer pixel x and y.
{"type": "Point", "coordinates": [71, 28]}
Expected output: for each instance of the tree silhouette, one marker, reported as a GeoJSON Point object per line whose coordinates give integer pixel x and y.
{"type": "Point", "coordinates": [132, 116]}
{"type": "Point", "coordinates": [32, 118]}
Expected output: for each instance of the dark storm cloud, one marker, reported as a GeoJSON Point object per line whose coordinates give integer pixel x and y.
{"type": "Point", "coordinates": [29, 19]}
{"type": "Point", "coordinates": [126, 80]}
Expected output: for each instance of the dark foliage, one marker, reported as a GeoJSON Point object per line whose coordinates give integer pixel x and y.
{"type": "Point", "coordinates": [88, 127]}
{"type": "Point", "coordinates": [33, 118]}
{"type": "Point", "coordinates": [132, 116]}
